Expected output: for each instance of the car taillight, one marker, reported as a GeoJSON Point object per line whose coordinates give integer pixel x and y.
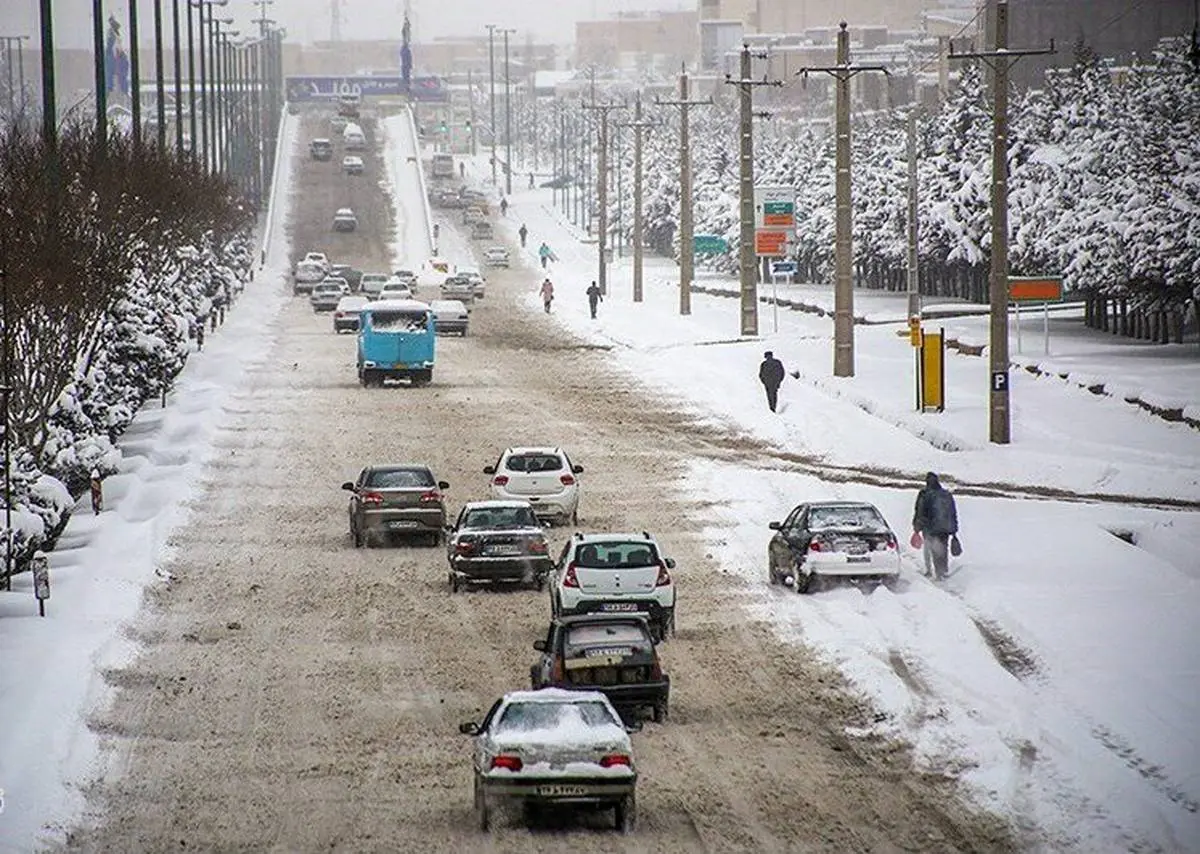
{"type": "Point", "coordinates": [556, 670]}
{"type": "Point", "coordinates": [512, 763]}
{"type": "Point", "coordinates": [884, 545]}
{"type": "Point", "coordinates": [373, 498]}
{"type": "Point", "coordinates": [655, 671]}
{"type": "Point", "coordinates": [430, 496]}
{"type": "Point", "coordinates": [500, 480]}
{"type": "Point", "coordinates": [339, 315]}
{"type": "Point", "coordinates": [567, 479]}
{"type": "Point", "coordinates": [464, 547]}
{"type": "Point", "coordinates": [614, 759]}
{"type": "Point", "coordinates": [569, 579]}
{"type": "Point", "coordinates": [664, 577]}
{"type": "Point", "coordinates": [539, 547]}
{"type": "Point", "coordinates": [815, 546]}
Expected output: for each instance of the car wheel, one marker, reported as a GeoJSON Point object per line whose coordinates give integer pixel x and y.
{"type": "Point", "coordinates": [660, 712]}
{"type": "Point", "coordinates": [772, 577]}
{"type": "Point", "coordinates": [625, 814]}
{"type": "Point", "coordinates": [482, 814]}
{"type": "Point", "coordinates": [575, 517]}
{"type": "Point", "coordinates": [453, 580]}
{"type": "Point", "coordinates": [805, 582]}
{"type": "Point", "coordinates": [359, 539]}
{"type": "Point", "coordinates": [533, 677]}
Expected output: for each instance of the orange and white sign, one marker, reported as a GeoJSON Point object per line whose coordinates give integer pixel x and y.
{"type": "Point", "coordinates": [770, 243]}
{"type": "Point", "coordinates": [1035, 289]}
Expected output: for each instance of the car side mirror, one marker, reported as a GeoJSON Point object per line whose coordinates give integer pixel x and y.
{"type": "Point", "coordinates": [775, 526]}
{"type": "Point", "coordinates": [443, 485]}
{"type": "Point", "coordinates": [348, 486]}
{"type": "Point", "coordinates": [539, 645]}
{"type": "Point", "coordinates": [469, 728]}
{"type": "Point", "coordinates": [577, 469]}
{"type": "Point", "coordinates": [489, 469]}
{"type": "Point", "coordinates": [670, 563]}
{"type": "Point", "coordinates": [633, 726]}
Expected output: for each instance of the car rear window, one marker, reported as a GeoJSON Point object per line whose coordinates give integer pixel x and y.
{"type": "Point", "coordinates": [529, 717]}
{"type": "Point", "coordinates": [398, 321]}
{"type": "Point", "coordinates": [500, 517]}
{"type": "Point", "coordinates": [615, 555]}
{"type": "Point", "coordinates": [865, 518]}
{"type": "Point", "coordinates": [617, 634]}
{"type": "Point", "coordinates": [531, 463]}
{"type": "Point", "coordinates": [400, 478]}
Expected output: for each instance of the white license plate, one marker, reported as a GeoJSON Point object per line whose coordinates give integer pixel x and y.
{"type": "Point", "coordinates": [404, 523]}
{"type": "Point", "coordinates": [619, 606]}
{"type": "Point", "coordinates": [560, 790]}
{"type": "Point", "coordinates": [504, 550]}
{"type": "Point", "coordinates": [863, 559]}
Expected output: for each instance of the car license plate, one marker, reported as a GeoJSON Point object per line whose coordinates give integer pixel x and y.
{"type": "Point", "coordinates": [504, 550]}
{"type": "Point", "coordinates": [619, 606]}
{"type": "Point", "coordinates": [863, 559]}
{"type": "Point", "coordinates": [404, 523]}
{"type": "Point", "coordinates": [561, 790]}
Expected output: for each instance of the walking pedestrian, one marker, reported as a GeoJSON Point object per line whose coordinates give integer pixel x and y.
{"type": "Point", "coordinates": [504, 207]}
{"type": "Point", "coordinates": [523, 233]}
{"type": "Point", "coordinates": [531, 180]}
{"type": "Point", "coordinates": [97, 487]}
{"type": "Point", "coordinates": [200, 336]}
{"type": "Point", "coordinates": [547, 293]}
{"type": "Point", "coordinates": [770, 374]}
{"type": "Point", "coordinates": [544, 254]}
{"type": "Point", "coordinates": [594, 298]}
{"type": "Point", "coordinates": [935, 519]}
{"type": "Point", "coordinates": [462, 169]}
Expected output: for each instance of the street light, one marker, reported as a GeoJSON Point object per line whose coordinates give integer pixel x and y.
{"type": "Point", "coordinates": [218, 84]}
{"type": "Point", "coordinates": [507, 119]}
{"type": "Point", "coordinates": [491, 28]}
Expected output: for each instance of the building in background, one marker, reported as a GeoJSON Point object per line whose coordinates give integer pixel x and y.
{"type": "Point", "coordinates": [643, 42]}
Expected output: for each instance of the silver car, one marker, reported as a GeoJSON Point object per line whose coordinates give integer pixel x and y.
{"type": "Point", "coordinates": [326, 295]}
{"type": "Point", "coordinates": [372, 283]}
{"type": "Point", "coordinates": [450, 317]}
{"type": "Point", "coordinates": [396, 500]}
{"type": "Point", "coordinates": [460, 288]}
{"type": "Point", "coordinates": [565, 748]}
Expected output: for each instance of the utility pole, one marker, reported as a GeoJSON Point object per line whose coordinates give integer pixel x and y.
{"type": "Point", "coordinates": [507, 119]}
{"type": "Point", "coordinates": [999, 60]}
{"type": "Point", "coordinates": [135, 83]}
{"type": "Point", "coordinates": [491, 28]}
{"type": "Point", "coordinates": [914, 280]}
{"type": "Point", "coordinates": [602, 188]}
{"type": "Point", "coordinates": [687, 222]}
{"type": "Point", "coordinates": [843, 289]}
{"type": "Point", "coordinates": [49, 108]}
{"type": "Point", "coordinates": [471, 106]}
{"type": "Point", "coordinates": [101, 81]}
{"type": "Point", "coordinates": [176, 33]}
{"type": "Point", "coordinates": [160, 94]}
{"type": "Point", "coordinates": [638, 124]}
{"type": "Point", "coordinates": [748, 265]}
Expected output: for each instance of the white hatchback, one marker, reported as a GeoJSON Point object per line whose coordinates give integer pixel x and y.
{"type": "Point", "coordinates": [394, 288]}
{"type": "Point", "coordinates": [615, 573]}
{"type": "Point", "coordinates": [544, 477]}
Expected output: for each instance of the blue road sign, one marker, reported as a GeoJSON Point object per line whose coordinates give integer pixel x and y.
{"type": "Point", "coordinates": [329, 87]}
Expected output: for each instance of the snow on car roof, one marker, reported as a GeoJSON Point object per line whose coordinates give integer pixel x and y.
{"type": "Point", "coordinates": [398, 305]}
{"type": "Point", "coordinates": [535, 449]}
{"type": "Point", "coordinates": [552, 695]}
{"type": "Point", "coordinates": [496, 504]}
{"type": "Point", "coordinates": [447, 305]}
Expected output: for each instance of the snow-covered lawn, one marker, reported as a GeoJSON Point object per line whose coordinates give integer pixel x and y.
{"type": "Point", "coordinates": [54, 667]}
{"type": "Point", "coordinates": [1054, 671]}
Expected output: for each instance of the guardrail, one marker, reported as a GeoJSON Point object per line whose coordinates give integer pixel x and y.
{"type": "Point", "coordinates": [279, 164]}
{"type": "Point", "coordinates": [416, 145]}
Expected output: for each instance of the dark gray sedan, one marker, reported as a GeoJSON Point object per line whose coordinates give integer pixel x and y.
{"type": "Point", "coordinates": [495, 541]}
{"type": "Point", "coordinates": [396, 500]}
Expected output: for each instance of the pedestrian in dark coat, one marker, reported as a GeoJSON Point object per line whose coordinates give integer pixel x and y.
{"type": "Point", "coordinates": [771, 373]}
{"type": "Point", "coordinates": [594, 298]}
{"type": "Point", "coordinates": [935, 518]}
{"type": "Point", "coordinates": [523, 233]}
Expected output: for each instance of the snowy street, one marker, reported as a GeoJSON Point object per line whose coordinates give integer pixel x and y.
{"type": "Point", "coordinates": [229, 673]}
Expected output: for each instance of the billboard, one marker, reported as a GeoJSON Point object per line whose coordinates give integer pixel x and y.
{"type": "Point", "coordinates": [329, 87]}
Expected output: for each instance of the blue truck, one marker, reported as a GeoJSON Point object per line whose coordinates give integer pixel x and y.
{"type": "Point", "coordinates": [395, 341]}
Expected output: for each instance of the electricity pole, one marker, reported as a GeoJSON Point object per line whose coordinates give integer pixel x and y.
{"type": "Point", "coordinates": [687, 222]}
{"type": "Point", "coordinates": [843, 289]}
{"type": "Point", "coordinates": [471, 106]}
{"type": "Point", "coordinates": [999, 60]}
{"type": "Point", "coordinates": [491, 28]}
{"type": "Point", "coordinates": [602, 188]}
{"type": "Point", "coordinates": [135, 83]}
{"type": "Point", "coordinates": [638, 124]}
{"type": "Point", "coordinates": [101, 76]}
{"type": "Point", "coordinates": [160, 93]}
{"type": "Point", "coordinates": [748, 265]}
{"type": "Point", "coordinates": [507, 119]}
{"type": "Point", "coordinates": [914, 281]}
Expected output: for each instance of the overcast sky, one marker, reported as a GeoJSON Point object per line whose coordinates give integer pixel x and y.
{"type": "Point", "coordinates": [309, 20]}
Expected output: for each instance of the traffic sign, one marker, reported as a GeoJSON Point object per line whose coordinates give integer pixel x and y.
{"type": "Point", "coordinates": [1035, 288]}
{"type": "Point", "coordinates": [769, 242]}
{"type": "Point", "coordinates": [775, 207]}
{"type": "Point", "coordinates": [999, 380]}
{"type": "Point", "coordinates": [709, 244]}
{"type": "Point", "coordinates": [783, 268]}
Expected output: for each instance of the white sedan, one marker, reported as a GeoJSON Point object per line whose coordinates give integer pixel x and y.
{"type": "Point", "coordinates": [496, 256]}
{"type": "Point", "coordinates": [826, 540]}
{"type": "Point", "coordinates": [553, 747]}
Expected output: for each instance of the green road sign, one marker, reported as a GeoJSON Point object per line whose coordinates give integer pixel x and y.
{"type": "Point", "coordinates": [709, 244]}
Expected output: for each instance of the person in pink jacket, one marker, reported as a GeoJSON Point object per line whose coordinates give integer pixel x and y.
{"type": "Point", "coordinates": [547, 293]}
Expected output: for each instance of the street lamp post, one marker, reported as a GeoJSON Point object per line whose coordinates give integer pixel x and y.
{"type": "Point", "coordinates": [178, 79]}
{"type": "Point", "coordinates": [135, 74]}
{"type": "Point", "coordinates": [49, 108]}
{"type": "Point", "coordinates": [491, 28]}
{"type": "Point", "coordinates": [160, 85]}
{"type": "Point", "coordinates": [507, 119]}
{"type": "Point", "coordinates": [101, 81]}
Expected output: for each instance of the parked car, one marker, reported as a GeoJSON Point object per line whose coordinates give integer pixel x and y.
{"type": "Point", "coordinates": [833, 540]}
{"type": "Point", "coordinates": [544, 477]}
{"type": "Point", "coordinates": [345, 315]}
{"type": "Point", "coordinates": [372, 283]}
{"type": "Point", "coordinates": [396, 500]}
{"type": "Point", "coordinates": [496, 256]}
{"type": "Point", "coordinates": [352, 275]}
{"type": "Point", "coordinates": [394, 288]}
{"type": "Point", "coordinates": [614, 654]}
{"type": "Point", "coordinates": [450, 316]}
{"type": "Point", "coordinates": [553, 747]}
{"type": "Point", "coordinates": [459, 288]}
{"type": "Point", "coordinates": [615, 574]}
{"type": "Point", "coordinates": [478, 282]}
{"type": "Point", "coordinates": [396, 340]}
{"type": "Point", "coordinates": [497, 541]}
{"type": "Point", "coordinates": [327, 294]}
{"type": "Point", "coordinates": [345, 220]}
{"type": "Point", "coordinates": [352, 164]}
{"type": "Point", "coordinates": [320, 149]}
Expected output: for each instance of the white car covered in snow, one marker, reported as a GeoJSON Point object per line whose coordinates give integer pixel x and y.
{"type": "Point", "coordinates": [844, 540]}
{"type": "Point", "coordinates": [544, 477]}
{"type": "Point", "coordinates": [496, 256]}
{"type": "Point", "coordinates": [553, 747]}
